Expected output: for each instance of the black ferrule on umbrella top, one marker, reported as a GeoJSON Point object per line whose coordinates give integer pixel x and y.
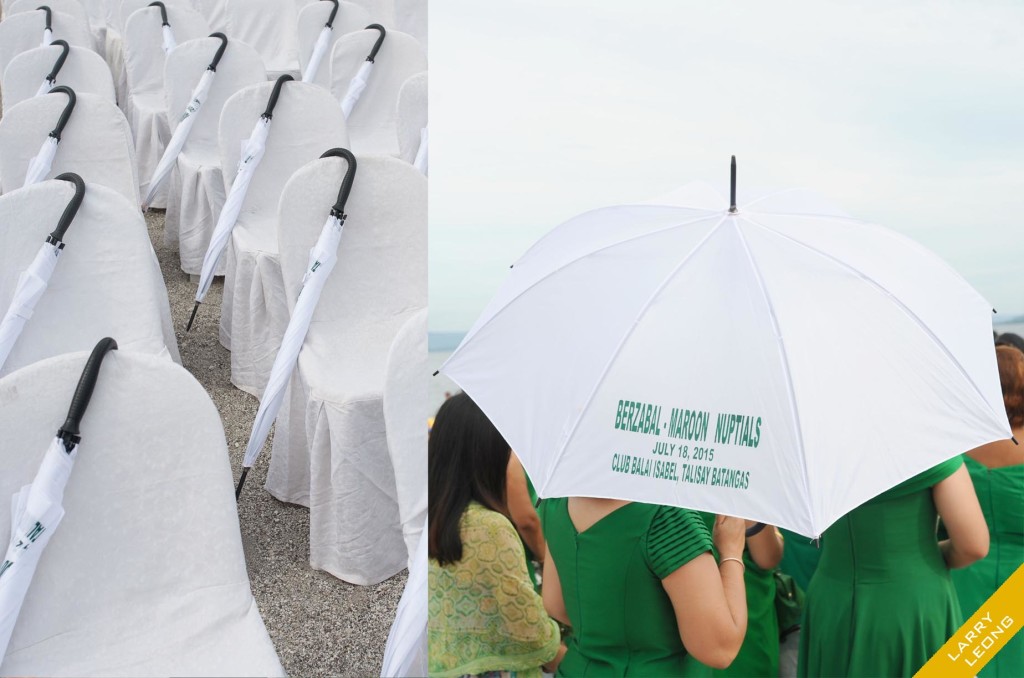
{"type": "Point", "coordinates": [65, 115]}
{"type": "Point", "coordinates": [338, 210]}
{"type": "Point", "coordinates": [56, 237]}
{"type": "Point", "coordinates": [49, 16]}
{"type": "Point", "coordinates": [220, 51]}
{"type": "Point", "coordinates": [272, 102]}
{"type": "Point", "coordinates": [69, 432]}
{"type": "Point", "coordinates": [334, 13]}
{"type": "Point", "coordinates": [380, 41]}
{"type": "Point", "coordinates": [732, 187]}
{"type": "Point", "coordinates": [59, 63]}
{"type": "Point", "coordinates": [163, 12]}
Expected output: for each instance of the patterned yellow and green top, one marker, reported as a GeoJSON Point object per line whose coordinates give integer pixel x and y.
{"type": "Point", "coordinates": [484, 613]}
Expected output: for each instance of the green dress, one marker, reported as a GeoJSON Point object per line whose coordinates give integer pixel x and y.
{"type": "Point", "coordinates": [881, 601]}
{"type": "Point", "coordinates": [1001, 493]}
{"type": "Point", "coordinates": [622, 619]}
{"type": "Point", "coordinates": [799, 557]}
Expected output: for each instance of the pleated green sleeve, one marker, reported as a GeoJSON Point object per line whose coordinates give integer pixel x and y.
{"type": "Point", "coordinates": [676, 537]}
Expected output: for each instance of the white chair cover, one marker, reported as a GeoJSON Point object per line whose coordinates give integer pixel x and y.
{"type": "Point", "coordinates": [307, 122]}
{"type": "Point", "coordinates": [144, 60]}
{"type": "Point", "coordinates": [215, 13]}
{"type": "Point", "coordinates": [270, 27]}
{"type": "Point", "coordinates": [372, 124]}
{"type": "Point", "coordinates": [84, 71]}
{"type": "Point", "coordinates": [405, 419]}
{"type": "Point", "coordinates": [73, 8]}
{"type": "Point", "coordinates": [146, 575]}
{"type": "Point", "coordinates": [412, 116]}
{"type": "Point", "coordinates": [96, 144]}
{"type": "Point", "coordinates": [380, 11]}
{"type": "Point", "coordinates": [330, 448]}
{"type": "Point", "coordinates": [24, 31]}
{"type": "Point", "coordinates": [312, 18]}
{"type": "Point", "coordinates": [411, 18]}
{"type": "Point", "coordinates": [196, 186]}
{"type": "Point", "coordinates": [107, 281]}
{"type": "Point", "coordinates": [118, 13]}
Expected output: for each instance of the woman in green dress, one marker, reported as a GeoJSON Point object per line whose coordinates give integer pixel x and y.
{"type": "Point", "coordinates": [484, 616]}
{"type": "Point", "coordinates": [640, 589]}
{"type": "Point", "coordinates": [881, 601]}
{"type": "Point", "coordinates": [997, 470]}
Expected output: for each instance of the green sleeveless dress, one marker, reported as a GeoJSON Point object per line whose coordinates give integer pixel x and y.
{"type": "Point", "coordinates": [1001, 493]}
{"type": "Point", "coordinates": [881, 601]}
{"type": "Point", "coordinates": [799, 557]}
{"type": "Point", "coordinates": [622, 619]}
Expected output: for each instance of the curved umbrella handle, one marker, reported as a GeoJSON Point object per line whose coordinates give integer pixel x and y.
{"type": "Point", "coordinates": [69, 432]}
{"type": "Point", "coordinates": [66, 113]}
{"type": "Point", "coordinates": [220, 50]}
{"type": "Point", "coordinates": [334, 13]}
{"type": "Point", "coordinates": [269, 113]}
{"type": "Point", "coordinates": [49, 17]}
{"type": "Point", "coordinates": [380, 41]}
{"type": "Point", "coordinates": [59, 63]}
{"type": "Point", "coordinates": [57, 236]}
{"type": "Point", "coordinates": [755, 529]}
{"type": "Point", "coordinates": [163, 11]}
{"type": "Point", "coordinates": [338, 210]}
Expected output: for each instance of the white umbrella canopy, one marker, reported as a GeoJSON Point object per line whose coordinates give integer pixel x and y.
{"type": "Point", "coordinates": [777, 361]}
{"type": "Point", "coordinates": [322, 258]}
{"type": "Point", "coordinates": [420, 162]}
{"type": "Point", "coordinates": [42, 163]}
{"type": "Point", "coordinates": [34, 280]}
{"type": "Point", "coordinates": [37, 508]}
{"type": "Point", "coordinates": [51, 79]}
{"type": "Point", "coordinates": [405, 653]}
{"type": "Point", "coordinates": [362, 76]}
{"type": "Point", "coordinates": [320, 46]}
{"type": "Point", "coordinates": [185, 123]}
{"type": "Point", "coordinates": [247, 164]}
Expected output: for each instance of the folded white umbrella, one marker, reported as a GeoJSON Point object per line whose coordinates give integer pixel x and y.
{"type": "Point", "coordinates": [358, 83]}
{"type": "Point", "coordinates": [323, 41]}
{"type": "Point", "coordinates": [252, 154]}
{"type": "Point", "coordinates": [405, 653]}
{"type": "Point", "coordinates": [33, 281]}
{"type": "Point", "coordinates": [42, 163]}
{"type": "Point", "coordinates": [168, 35]}
{"type": "Point", "coordinates": [775, 360]}
{"type": "Point", "coordinates": [184, 127]}
{"type": "Point", "coordinates": [37, 509]}
{"type": "Point", "coordinates": [51, 79]}
{"type": "Point", "coordinates": [420, 162]}
{"type": "Point", "coordinates": [48, 27]}
{"type": "Point", "coordinates": [322, 258]}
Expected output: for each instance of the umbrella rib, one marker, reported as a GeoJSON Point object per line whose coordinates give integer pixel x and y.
{"type": "Point", "coordinates": [558, 456]}
{"type": "Point", "coordinates": [903, 307]}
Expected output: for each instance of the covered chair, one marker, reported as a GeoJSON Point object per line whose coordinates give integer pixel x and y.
{"type": "Point", "coordinates": [96, 143]}
{"type": "Point", "coordinates": [312, 19]}
{"type": "Point", "coordinates": [24, 31]}
{"type": "Point", "coordinates": [270, 27]}
{"type": "Point", "coordinates": [411, 18]}
{"type": "Point", "coordinates": [106, 283]}
{"type": "Point", "coordinates": [144, 105]}
{"type": "Point", "coordinates": [145, 575]}
{"type": "Point", "coordinates": [73, 8]}
{"type": "Point", "coordinates": [412, 118]}
{"type": "Point", "coordinates": [83, 70]}
{"type": "Point", "coordinates": [306, 122]}
{"type": "Point", "coordinates": [372, 123]}
{"type": "Point", "coordinates": [196, 185]}
{"type": "Point", "coordinates": [330, 449]}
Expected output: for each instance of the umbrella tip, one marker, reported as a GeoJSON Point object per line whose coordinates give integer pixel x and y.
{"type": "Point", "coordinates": [241, 482]}
{"type": "Point", "coordinates": [436, 372]}
{"type": "Point", "coordinates": [188, 328]}
{"type": "Point", "coordinates": [1014, 439]}
{"type": "Point", "coordinates": [732, 186]}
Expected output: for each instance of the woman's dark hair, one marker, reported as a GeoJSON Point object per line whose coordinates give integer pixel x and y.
{"type": "Point", "coordinates": [1011, 339]}
{"type": "Point", "coordinates": [1011, 377]}
{"type": "Point", "coordinates": [467, 461]}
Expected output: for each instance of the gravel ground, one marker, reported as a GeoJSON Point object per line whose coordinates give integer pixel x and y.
{"type": "Point", "coordinates": [320, 625]}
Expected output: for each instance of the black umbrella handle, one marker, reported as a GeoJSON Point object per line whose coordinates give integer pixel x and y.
{"type": "Point", "coordinates": [57, 236]}
{"type": "Point", "coordinates": [346, 184]}
{"type": "Point", "coordinates": [220, 50]}
{"type": "Point", "coordinates": [163, 12]}
{"type": "Point", "coordinates": [66, 113]}
{"type": "Point", "coordinates": [334, 13]}
{"type": "Point", "coordinates": [380, 41]}
{"type": "Point", "coordinates": [269, 113]}
{"type": "Point", "coordinates": [59, 63]}
{"type": "Point", "coordinates": [754, 530]}
{"type": "Point", "coordinates": [69, 432]}
{"type": "Point", "coordinates": [49, 17]}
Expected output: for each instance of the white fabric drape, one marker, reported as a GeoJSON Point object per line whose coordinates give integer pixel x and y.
{"type": "Point", "coordinates": [41, 165]}
{"type": "Point", "coordinates": [31, 287]}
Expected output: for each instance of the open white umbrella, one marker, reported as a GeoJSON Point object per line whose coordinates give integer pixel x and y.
{"type": "Point", "coordinates": [184, 127]}
{"type": "Point", "coordinates": [323, 41]}
{"type": "Point", "coordinates": [420, 162]}
{"type": "Point", "coordinates": [48, 26]}
{"type": "Point", "coordinates": [252, 153]}
{"type": "Point", "coordinates": [322, 258]}
{"type": "Point", "coordinates": [51, 79]}
{"type": "Point", "coordinates": [169, 42]}
{"type": "Point", "coordinates": [405, 653]}
{"type": "Point", "coordinates": [42, 163]}
{"type": "Point", "coordinates": [772, 359]}
{"type": "Point", "coordinates": [33, 281]}
{"type": "Point", "coordinates": [358, 83]}
{"type": "Point", "coordinates": [38, 507]}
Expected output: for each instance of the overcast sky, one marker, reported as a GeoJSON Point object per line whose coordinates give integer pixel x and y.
{"type": "Point", "coordinates": [908, 114]}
